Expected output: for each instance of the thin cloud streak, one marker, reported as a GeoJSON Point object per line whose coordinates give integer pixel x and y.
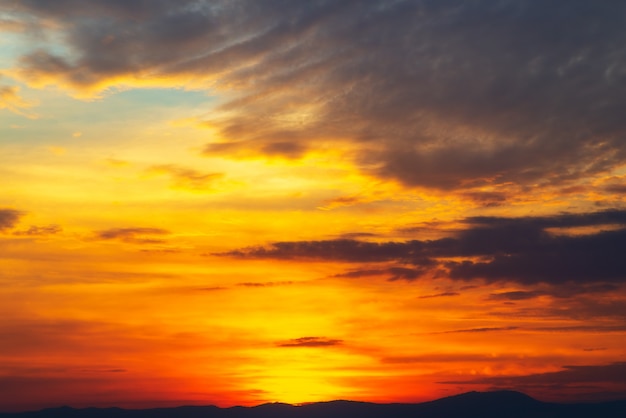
{"type": "Point", "coordinates": [134, 234]}
{"type": "Point", "coordinates": [310, 342]}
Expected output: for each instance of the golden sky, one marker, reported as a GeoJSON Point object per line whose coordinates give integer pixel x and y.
{"type": "Point", "coordinates": [234, 202]}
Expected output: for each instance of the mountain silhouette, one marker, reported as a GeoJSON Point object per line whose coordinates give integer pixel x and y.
{"type": "Point", "coordinates": [498, 404]}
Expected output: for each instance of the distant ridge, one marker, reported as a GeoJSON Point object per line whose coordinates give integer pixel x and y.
{"type": "Point", "coordinates": [498, 404]}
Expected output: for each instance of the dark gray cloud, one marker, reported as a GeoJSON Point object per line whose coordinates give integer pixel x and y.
{"type": "Point", "coordinates": [555, 292]}
{"type": "Point", "coordinates": [570, 376]}
{"type": "Point", "coordinates": [591, 258]}
{"type": "Point", "coordinates": [134, 235]}
{"type": "Point", "coordinates": [9, 218]}
{"type": "Point", "coordinates": [527, 250]}
{"type": "Point", "coordinates": [581, 308]}
{"type": "Point", "coordinates": [40, 230]}
{"type": "Point", "coordinates": [67, 9]}
{"type": "Point", "coordinates": [517, 295]}
{"type": "Point", "coordinates": [310, 342]}
{"type": "Point", "coordinates": [339, 249]}
{"type": "Point", "coordinates": [444, 94]}
{"type": "Point", "coordinates": [487, 198]}
{"type": "Point", "coordinates": [616, 188]}
{"type": "Point", "coordinates": [563, 220]}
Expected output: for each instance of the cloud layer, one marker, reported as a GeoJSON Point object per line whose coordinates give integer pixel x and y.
{"type": "Point", "coordinates": [440, 94]}
{"type": "Point", "coordinates": [592, 378]}
{"type": "Point", "coordinates": [526, 250]}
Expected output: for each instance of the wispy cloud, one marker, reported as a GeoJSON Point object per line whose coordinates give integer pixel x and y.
{"type": "Point", "coordinates": [11, 100]}
{"type": "Point", "coordinates": [522, 250]}
{"type": "Point", "coordinates": [310, 342]}
{"type": "Point", "coordinates": [186, 178]}
{"type": "Point", "coordinates": [440, 295]}
{"type": "Point", "coordinates": [265, 284]}
{"type": "Point", "coordinates": [40, 230]}
{"type": "Point", "coordinates": [133, 235]}
{"type": "Point", "coordinates": [478, 330]}
{"type": "Point", "coordinates": [445, 95]}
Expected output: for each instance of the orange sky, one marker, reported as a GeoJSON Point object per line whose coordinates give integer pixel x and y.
{"type": "Point", "coordinates": [239, 202]}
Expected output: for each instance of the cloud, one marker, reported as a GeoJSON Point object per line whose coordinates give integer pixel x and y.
{"type": "Point", "coordinates": [440, 295]}
{"type": "Point", "coordinates": [341, 201]}
{"type": "Point", "coordinates": [357, 235]}
{"type": "Point", "coordinates": [616, 188]}
{"type": "Point", "coordinates": [591, 306]}
{"type": "Point", "coordinates": [556, 292]}
{"type": "Point", "coordinates": [449, 358]}
{"type": "Point", "coordinates": [13, 102]}
{"type": "Point", "coordinates": [10, 25]}
{"type": "Point", "coordinates": [104, 370]}
{"type": "Point", "coordinates": [583, 328]}
{"type": "Point", "coordinates": [552, 260]}
{"type": "Point", "coordinates": [40, 230]}
{"type": "Point", "coordinates": [517, 295]}
{"type": "Point", "coordinates": [186, 178]}
{"type": "Point", "coordinates": [587, 383]}
{"type": "Point", "coordinates": [212, 289]}
{"type": "Point", "coordinates": [9, 217]}
{"type": "Point", "coordinates": [478, 330]}
{"type": "Point", "coordinates": [570, 376]}
{"type": "Point", "coordinates": [339, 249]}
{"type": "Point", "coordinates": [392, 273]}
{"type": "Point", "coordinates": [265, 284]}
{"type": "Point", "coordinates": [310, 342]}
{"type": "Point", "coordinates": [527, 250]}
{"type": "Point", "coordinates": [133, 235]}
{"type": "Point", "coordinates": [440, 94]}
{"type": "Point", "coordinates": [487, 198]}
{"type": "Point", "coordinates": [162, 251]}
{"type": "Point", "coordinates": [563, 220]}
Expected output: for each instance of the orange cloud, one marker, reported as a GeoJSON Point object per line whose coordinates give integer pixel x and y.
{"type": "Point", "coordinates": [13, 102]}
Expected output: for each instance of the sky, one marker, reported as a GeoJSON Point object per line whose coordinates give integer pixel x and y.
{"type": "Point", "coordinates": [235, 202]}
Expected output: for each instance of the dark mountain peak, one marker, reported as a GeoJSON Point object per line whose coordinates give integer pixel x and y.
{"type": "Point", "coordinates": [271, 406]}
{"type": "Point", "coordinates": [503, 403]}
{"type": "Point", "coordinates": [492, 396]}
{"type": "Point", "coordinates": [60, 408]}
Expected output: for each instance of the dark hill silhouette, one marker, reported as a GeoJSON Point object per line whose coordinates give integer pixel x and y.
{"type": "Point", "coordinates": [499, 404]}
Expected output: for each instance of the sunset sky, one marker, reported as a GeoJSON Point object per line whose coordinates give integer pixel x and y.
{"type": "Point", "coordinates": [235, 202]}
